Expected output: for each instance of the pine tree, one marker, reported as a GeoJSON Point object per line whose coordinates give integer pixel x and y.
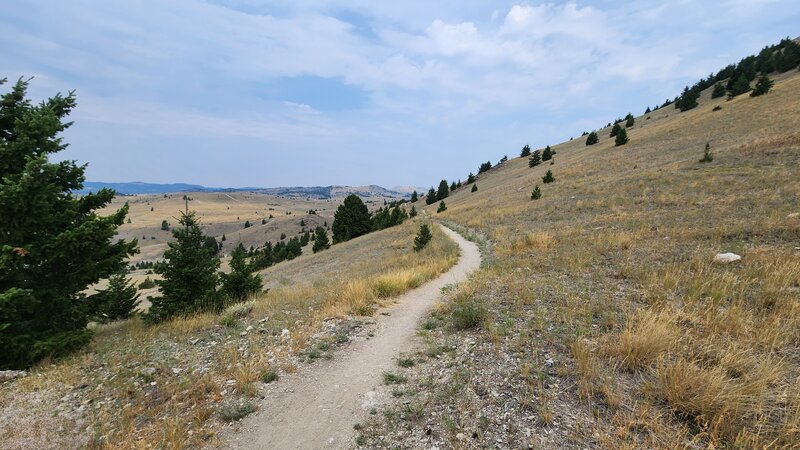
{"type": "Point", "coordinates": [548, 177]}
{"type": "Point", "coordinates": [592, 138]}
{"type": "Point", "coordinates": [547, 154]}
{"type": "Point", "coordinates": [53, 245]}
{"type": "Point", "coordinates": [763, 86]}
{"type": "Point", "coordinates": [630, 121]}
{"type": "Point", "coordinates": [443, 191]}
{"type": "Point", "coordinates": [442, 207]}
{"type": "Point", "coordinates": [535, 159]}
{"type": "Point", "coordinates": [741, 86]}
{"type": "Point", "coordinates": [240, 282]}
{"type": "Point", "coordinates": [320, 240]}
{"type": "Point", "coordinates": [351, 219]}
{"type": "Point", "coordinates": [164, 225]}
{"type": "Point", "coordinates": [423, 237]}
{"type": "Point", "coordinates": [190, 278]}
{"type": "Point", "coordinates": [707, 156]}
{"type": "Point", "coordinates": [615, 129]}
{"type": "Point", "coordinates": [302, 222]}
{"type": "Point", "coordinates": [484, 167]}
{"type": "Point", "coordinates": [431, 197]}
{"type": "Point", "coordinates": [247, 224]}
{"type": "Point", "coordinates": [648, 110]}
{"type": "Point", "coordinates": [211, 245]}
{"type": "Point", "coordinates": [622, 138]}
{"type": "Point", "coordinates": [118, 301]}
{"type": "Point", "coordinates": [474, 188]}
{"type": "Point", "coordinates": [452, 186]}
{"type": "Point", "coordinates": [526, 151]}
{"type": "Point", "coordinates": [537, 193]}
{"type": "Point", "coordinates": [414, 197]}
{"type": "Point", "coordinates": [413, 212]}
{"type": "Point", "coordinates": [719, 90]}
{"type": "Point", "coordinates": [470, 178]}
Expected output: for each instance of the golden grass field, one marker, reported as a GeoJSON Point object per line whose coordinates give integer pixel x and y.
{"type": "Point", "coordinates": [174, 385]}
{"type": "Point", "coordinates": [610, 277]}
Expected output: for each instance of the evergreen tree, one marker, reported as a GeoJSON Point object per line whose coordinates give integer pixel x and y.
{"type": "Point", "coordinates": [430, 198]}
{"type": "Point", "coordinates": [321, 240]}
{"type": "Point", "coordinates": [592, 138]}
{"type": "Point", "coordinates": [423, 237]}
{"type": "Point", "coordinates": [351, 219]}
{"type": "Point", "coordinates": [190, 278]}
{"type": "Point", "coordinates": [537, 193]}
{"type": "Point", "coordinates": [763, 86]}
{"type": "Point", "coordinates": [629, 121]}
{"type": "Point", "coordinates": [719, 90]}
{"type": "Point", "coordinates": [458, 184]}
{"type": "Point", "coordinates": [302, 222]}
{"type": "Point", "coordinates": [442, 207]}
{"type": "Point", "coordinates": [118, 301]}
{"type": "Point", "coordinates": [240, 282]}
{"type": "Point", "coordinates": [211, 245]}
{"type": "Point", "coordinates": [164, 225]}
{"type": "Point", "coordinates": [615, 129]}
{"type": "Point", "coordinates": [526, 151]}
{"type": "Point", "coordinates": [535, 159]}
{"type": "Point", "coordinates": [443, 191]}
{"type": "Point", "coordinates": [548, 177]}
{"type": "Point", "coordinates": [305, 238]}
{"type": "Point", "coordinates": [53, 245]}
{"type": "Point", "coordinates": [707, 156]}
{"type": "Point", "coordinates": [484, 167]}
{"type": "Point", "coordinates": [453, 186]}
{"type": "Point", "coordinates": [470, 178]}
{"type": "Point", "coordinates": [474, 188]}
{"type": "Point", "coordinates": [413, 212]}
{"type": "Point", "coordinates": [293, 248]}
{"type": "Point", "coordinates": [622, 138]}
{"type": "Point", "coordinates": [547, 154]}
{"type": "Point", "coordinates": [741, 86]}
{"type": "Point", "coordinates": [648, 110]}
{"type": "Point", "coordinates": [688, 99]}
{"type": "Point", "coordinates": [414, 197]}
{"type": "Point", "coordinates": [247, 224]}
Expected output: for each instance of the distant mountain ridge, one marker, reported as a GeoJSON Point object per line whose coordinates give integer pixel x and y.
{"type": "Point", "coordinates": [322, 192]}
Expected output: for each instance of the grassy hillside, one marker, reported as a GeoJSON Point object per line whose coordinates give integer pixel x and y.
{"type": "Point", "coordinates": [601, 319]}
{"type": "Point", "coordinates": [174, 385]}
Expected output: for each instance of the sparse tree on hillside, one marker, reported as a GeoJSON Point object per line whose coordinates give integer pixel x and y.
{"type": "Point", "coordinates": [615, 129]}
{"type": "Point", "coordinates": [648, 110]}
{"type": "Point", "coordinates": [351, 220]}
{"type": "Point", "coordinates": [622, 138]}
{"type": "Point", "coordinates": [763, 85]}
{"type": "Point", "coordinates": [535, 159]}
{"type": "Point", "coordinates": [53, 245]}
{"type": "Point", "coordinates": [247, 224]}
{"type": "Point", "coordinates": [537, 193]}
{"type": "Point", "coordinates": [442, 207]}
{"type": "Point", "coordinates": [423, 237]}
{"type": "Point", "coordinates": [470, 178]}
{"type": "Point", "coordinates": [630, 121]}
{"type": "Point", "coordinates": [707, 156]}
{"type": "Point", "coordinates": [592, 138]}
{"type": "Point", "coordinates": [453, 186]}
{"type": "Point", "coordinates": [320, 240]}
{"type": "Point", "coordinates": [741, 86]}
{"type": "Point", "coordinates": [719, 90]}
{"type": "Point", "coordinates": [413, 212]}
{"type": "Point", "coordinates": [118, 301]}
{"type": "Point", "coordinates": [189, 274]}
{"type": "Point", "coordinates": [688, 99]}
{"type": "Point", "coordinates": [484, 167]}
{"type": "Point", "coordinates": [548, 177]}
{"type": "Point", "coordinates": [547, 154]}
{"type": "Point", "coordinates": [164, 225]}
{"type": "Point", "coordinates": [526, 151]}
{"type": "Point", "coordinates": [240, 282]}
{"type": "Point", "coordinates": [414, 197]}
{"type": "Point", "coordinates": [443, 191]}
{"type": "Point", "coordinates": [474, 188]}
{"type": "Point", "coordinates": [431, 197]}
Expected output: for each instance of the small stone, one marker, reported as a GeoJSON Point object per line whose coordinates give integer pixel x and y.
{"type": "Point", "coordinates": [285, 336]}
{"type": "Point", "coordinates": [263, 320]}
{"type": "Point", "coordinates": [176, 370]}
{"type": "Point", "coordinates": [249, 328]}
{"type": "Point", "coordinates": [243, 334]}
{"type": "Point", "coordinates": [460, 436]}
{"type": "Point", "coordinates": [726, 258]}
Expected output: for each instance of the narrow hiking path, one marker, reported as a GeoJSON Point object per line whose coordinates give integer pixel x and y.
{"type": "Point", "coordinates": [317, 407]}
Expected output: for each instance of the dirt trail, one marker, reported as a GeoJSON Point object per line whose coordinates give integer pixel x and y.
{"type": "Point", "coordinates": [318, 407]}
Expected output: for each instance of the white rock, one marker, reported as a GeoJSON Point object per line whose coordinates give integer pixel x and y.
{"type": "Point", "coordinates": [460, 436]}
{"type": "Point", "coordinates": [243, 333]}
{"type": "Point", "coordinates": [176, 370]}
{"type": "Point", "coordinates": [726, 258]}
{"type": "Point", "coordinates": [249, 328]}
{"type": "Point", "coordinates": [8, 375]}
{"type": "Point", "coordinates": [285, 336]}
{"type": "Point", "coordinates": [793, 215]}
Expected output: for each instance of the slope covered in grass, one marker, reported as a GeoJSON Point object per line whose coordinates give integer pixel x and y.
{"type": "Point", "coordinates": [601, 319]}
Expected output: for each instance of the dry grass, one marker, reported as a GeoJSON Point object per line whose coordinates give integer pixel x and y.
{"type": "Point", "coordinates": [612, 269]}
{"type": "Point", "coordinates": [174, 384]}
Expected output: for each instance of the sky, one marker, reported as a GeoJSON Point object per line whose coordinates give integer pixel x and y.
{"type": "Point", "coordinates": [233, 93]}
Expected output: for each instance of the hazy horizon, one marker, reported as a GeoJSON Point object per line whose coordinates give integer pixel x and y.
{"type": "Point", "coordinates": [248, 93]}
